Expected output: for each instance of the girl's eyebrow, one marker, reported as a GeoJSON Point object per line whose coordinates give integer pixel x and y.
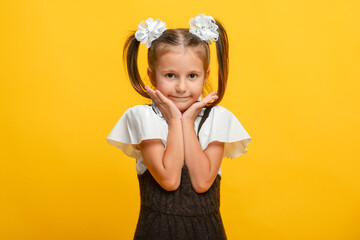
{"type": "Point", "coordinates": [170, 70]}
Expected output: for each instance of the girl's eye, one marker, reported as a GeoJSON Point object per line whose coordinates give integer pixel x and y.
{"type": "Point", "coordinates": [193, 75]}
{"type": "Point", "coordinates": [170, 75]}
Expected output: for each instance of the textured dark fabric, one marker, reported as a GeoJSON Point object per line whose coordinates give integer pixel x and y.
{"type": "Point", "coordinates": [182, 214]}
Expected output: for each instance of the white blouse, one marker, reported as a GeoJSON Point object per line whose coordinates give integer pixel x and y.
{"type": "Point", "coordinates": [143, 122]}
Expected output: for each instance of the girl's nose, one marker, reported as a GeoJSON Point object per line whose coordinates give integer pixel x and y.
{"type": "Point", "coordinates": [181, 86]}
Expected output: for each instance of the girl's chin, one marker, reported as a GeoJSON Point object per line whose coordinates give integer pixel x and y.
{"type": "Point", "coordinates": [183, 108]}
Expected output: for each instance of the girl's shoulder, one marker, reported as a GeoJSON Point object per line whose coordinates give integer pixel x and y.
{"type": "Point", "coordinates": [144, 112]}
{"type": "Point", "coordinates": [222, 118]}
{"type": "Point", "coordinates": [221, 112]}
{"type": "Point", "coordinates": [223, 126]}
{"type": "Point", "coordinates": [137, 109]}
{"type": "Point", "coordinates": [137, 123]}
{"type": "Point", "coordinates": [221, 109]}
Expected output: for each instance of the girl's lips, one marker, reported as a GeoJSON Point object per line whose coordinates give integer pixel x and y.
{"type": "Point", "coordinates": [179, 97]}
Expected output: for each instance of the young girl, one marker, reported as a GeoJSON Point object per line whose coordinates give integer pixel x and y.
{"type": "Point", "coordinates": [180, 139]}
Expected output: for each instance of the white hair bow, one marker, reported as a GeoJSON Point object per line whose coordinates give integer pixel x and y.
{"type": "Point", "coordinates": [149, 30]}
{"type": "Point", "coordinates": [204, 27]}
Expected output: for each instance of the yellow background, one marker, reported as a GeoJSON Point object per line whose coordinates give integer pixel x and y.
{"type": "Point", "coordinates": [294, 84]}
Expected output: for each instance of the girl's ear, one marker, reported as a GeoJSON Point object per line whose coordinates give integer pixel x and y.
{"type": "Point", "coordinates": [206, 75]}
{"type": "Point", "coordinates": [151, 76]}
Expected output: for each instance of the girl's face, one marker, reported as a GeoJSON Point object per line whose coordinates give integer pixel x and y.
{"type": "Point", "coordinates": [179, 75]}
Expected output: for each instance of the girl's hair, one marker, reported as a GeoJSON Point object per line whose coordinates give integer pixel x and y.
{"type": "Point", "coordinates": [179, 37]}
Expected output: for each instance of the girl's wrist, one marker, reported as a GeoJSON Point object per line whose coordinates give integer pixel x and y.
{"type": "Point", "coordinates": [188, 118]}
{"type": "Point", "coordinates": [187, 122]}
{"type": "Point", "coordinates": [174, 122]}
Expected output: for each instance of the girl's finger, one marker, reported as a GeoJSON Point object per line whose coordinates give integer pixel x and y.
{"type": "Point", "coordinates": [162, 97]}
{"type": "Point", "coordinates": [149, 91]}
{"type": "Point", "coordinates": [210, 95]}
{"type": "Point", "coordinates": [153, 95]}
{"type": "Point", "coordinates": [214, 93]}
{"type": "Point", "coordinates": [209, 98]}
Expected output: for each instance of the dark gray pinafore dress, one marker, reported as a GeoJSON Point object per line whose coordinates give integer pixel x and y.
{"type": "Point", "coordinates": [182, 214]}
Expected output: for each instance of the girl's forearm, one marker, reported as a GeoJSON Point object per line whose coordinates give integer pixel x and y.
{"type": "Point", "coordinates": [173, 158]}
{"type": "Point", "coordinates": [196, 160]}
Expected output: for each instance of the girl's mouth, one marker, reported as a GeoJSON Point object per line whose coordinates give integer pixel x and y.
{"type": "Point", "coordinates": [179, 98]}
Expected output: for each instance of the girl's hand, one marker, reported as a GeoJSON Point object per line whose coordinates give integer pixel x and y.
{"type": "Point", "coordinates": [193, 111]}
{"type": "Point", "coordinates": [165, 105]}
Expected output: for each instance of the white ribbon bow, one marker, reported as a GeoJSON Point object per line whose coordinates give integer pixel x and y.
{"type": "Point", "coordinates": [149, 30]}
{"type": "Point", "coordinates": [204, 27]}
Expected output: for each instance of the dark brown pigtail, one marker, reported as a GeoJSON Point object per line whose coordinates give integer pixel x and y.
{"type": "Point", "coordinates": [130, 54]}
{"type": "Point", "coordinates": [222, 50]}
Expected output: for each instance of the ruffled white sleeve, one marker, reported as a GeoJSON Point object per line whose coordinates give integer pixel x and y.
{"type": "Point", "coordinates": [223, 126]}
{"type": "Point", "coordinates": [135, 125]}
